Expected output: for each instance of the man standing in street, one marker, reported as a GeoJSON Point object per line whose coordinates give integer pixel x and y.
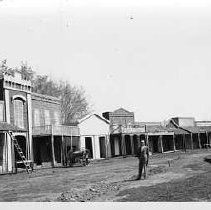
{"type": "Point", "coordinates": [143, 155]}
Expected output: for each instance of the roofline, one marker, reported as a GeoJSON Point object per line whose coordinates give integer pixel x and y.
{"type": "Point", "coordinates": [183, 118]}
{"type": "Point", "coordinates": [45, 96]}
{"type": "Point", "coordinates": [90, 115]}
{"type": "Point", "coordinates": [124, 110]}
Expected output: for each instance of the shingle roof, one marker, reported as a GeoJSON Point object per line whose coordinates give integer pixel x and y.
{"type": "Point", "coordinates": [189, 129]}
{"type": "Point", "coordinates": [199, 129]}
{"type": "Point", "coordinates": [155, 128]}
{"type": "Point", "coordinates": [8, 127]}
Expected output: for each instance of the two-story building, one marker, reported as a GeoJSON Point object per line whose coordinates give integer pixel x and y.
{"type": "Point", "coordinates": [43, 139]}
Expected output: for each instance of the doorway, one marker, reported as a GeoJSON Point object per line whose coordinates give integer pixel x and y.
{"type": "Point", "coordinates": [135, 144]}
{"type": "Point", "coordinates": [102, 141]}
{"type": "Point", "coordinates": [128, 145]}
{"type": "Point", "coordinates": [22, 144]}
{"type": "Point", "coordinates": [88, 145]}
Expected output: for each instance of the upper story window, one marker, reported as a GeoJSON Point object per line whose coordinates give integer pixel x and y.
{"type": "Point", "coordinates": [47, 117]}
{"type": "Point", "coordinates": [36, 117]}
{"type": "Point", "coordinates": [56, 118]}
{"type": "Point", "coordinates": [18, 113]}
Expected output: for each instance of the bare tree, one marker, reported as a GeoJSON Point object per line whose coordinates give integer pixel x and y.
{"type": "Point", "coordinates": [5, 69]}
{"type": "Point", "coordinates": [74, 104]}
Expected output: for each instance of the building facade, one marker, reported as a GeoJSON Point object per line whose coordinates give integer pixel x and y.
{"type": "Point", "coordinates": [94, 136]}
{"type": "Point", "coordinates": [180, 133]}
{"type": "Point", "coordinates": [44, 140]}
{"type": "Point", "coordinates": [120, 117]}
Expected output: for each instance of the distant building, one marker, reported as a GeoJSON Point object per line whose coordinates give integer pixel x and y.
{"type": "Point", "coordinates": [203, 123]}
{"type": "Point", "coordinates": [184, 121]}
{"type": "Point", "coordinates": [120, 117]}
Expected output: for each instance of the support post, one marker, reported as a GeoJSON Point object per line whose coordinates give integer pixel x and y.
{"type": "Point", "coordinates": [207, 134]}
{"type": "Point", "coordinates": [106, 146]}
{"type": "Point", "coordinates": [71, 140]}
{"type": "Point", "coordinates": [147, 140]}
{"type": "Point", "coordinates": [184, 143]}
{"type": "Point", "coordinates": [161, 143]}
{"type": "Point", "coordinates": [174, 146]}
{"type": "Point", "coordinates": [29, 139]}
{"type": "Point", "coordinates": [123, 145]}
{"type": "Point", "coordinates": [191, 138]}
{"type": "Point", "coordinates": [199, 139]}
{"type": "Point", "coordinates": [13, 157]}
{"type": "Point", "coordinates": [138, 140]}
{"type": "Point", "coordinates": [62, 151]}
{"type": "Point", "coordinates": [132, 145]}
{"type": "Point", "coordinates": [52, 147]}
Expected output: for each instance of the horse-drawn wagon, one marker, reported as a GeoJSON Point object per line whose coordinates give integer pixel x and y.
{"type": "Point", "coordinates": [78, 157]}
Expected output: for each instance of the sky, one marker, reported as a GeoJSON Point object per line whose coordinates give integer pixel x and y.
{"type": "Point", "coordinates": [149, 57]}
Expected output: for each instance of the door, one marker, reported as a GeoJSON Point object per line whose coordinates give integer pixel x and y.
{"type": "Point", "coordinates": [102, 147]}
{"type": "Point", "coordinates": [88, 145]}
{"type": "Point", "coordinates": [135, 144]}
{"type": "Point", "coordinates": [128, 145]}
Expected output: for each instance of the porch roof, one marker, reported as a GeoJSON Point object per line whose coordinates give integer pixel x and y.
{"type": "Point", "coordinates": [199, 129]}
{"type": "Point", "coordinates": [5, 127]}
{"type": "Point", "coordinates": [188, 129]}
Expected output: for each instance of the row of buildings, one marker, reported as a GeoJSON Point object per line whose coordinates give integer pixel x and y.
{"type": "Point", "coordinates": [35, 121]}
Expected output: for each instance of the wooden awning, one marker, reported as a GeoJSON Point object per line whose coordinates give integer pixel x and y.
{"type": "Point", "coordinates": [6, 127]}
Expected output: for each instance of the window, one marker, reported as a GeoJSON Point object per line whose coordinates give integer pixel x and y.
{"type": "Point", "coordinates": [36, 117]}
{"type": "Point", "coordinates": [47, 117]}
{"type": "Point", "coordinates": [56, 118]}
{"type": "Point", "coordinates": [18, 113]}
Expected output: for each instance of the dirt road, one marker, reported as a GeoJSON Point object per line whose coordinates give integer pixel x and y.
{"type": "Point", "coordinates": [113, 180]}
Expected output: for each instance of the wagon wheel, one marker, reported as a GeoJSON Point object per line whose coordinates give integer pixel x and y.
{"type": "Point", "coordinates": [84, 162]}
{"type": "Point", "coordinates": [77, 160]}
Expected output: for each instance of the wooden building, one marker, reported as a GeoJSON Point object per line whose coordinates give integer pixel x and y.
{"type": "Point", "coordinates": [94, 136]}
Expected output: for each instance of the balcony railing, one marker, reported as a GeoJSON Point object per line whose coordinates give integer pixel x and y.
{"type": "Point", "coordinates": [55, 130]}
{"type": "Point", "coordinates": [115, 129]}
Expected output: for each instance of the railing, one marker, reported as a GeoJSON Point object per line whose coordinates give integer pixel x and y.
{"type": "Point", "coordinates": [115, 129]}
{"type": "Point", "coordinates": [55, 130]}
{"type": "Point", "coordinates": [133, 130]}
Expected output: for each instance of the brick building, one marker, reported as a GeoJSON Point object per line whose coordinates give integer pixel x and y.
{"type": "Point", "coordinates": [43, 139]}
{"type": "Point", "coordinates": [120, 117]}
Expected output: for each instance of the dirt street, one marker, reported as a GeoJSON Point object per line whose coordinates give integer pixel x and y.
{"type": "Point", "coordinates": [170, 178]}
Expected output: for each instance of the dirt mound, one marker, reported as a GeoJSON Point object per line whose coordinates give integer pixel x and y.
{"type": "Point", "coordinates": [88, 194]}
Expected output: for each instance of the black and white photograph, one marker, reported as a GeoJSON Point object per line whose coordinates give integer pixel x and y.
{"type": "Point", "coordinates": [105, 101]}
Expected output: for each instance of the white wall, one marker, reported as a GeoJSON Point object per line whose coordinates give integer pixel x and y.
{"type": "Point", "coordinates": [93, 127]}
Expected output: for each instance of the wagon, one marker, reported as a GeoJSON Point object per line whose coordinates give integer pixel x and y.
{"type": "Point", "coordinates": [78, 157]}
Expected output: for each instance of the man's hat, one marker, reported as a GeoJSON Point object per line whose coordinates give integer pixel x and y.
{"type": "Point", "coordinates": [143, 141]}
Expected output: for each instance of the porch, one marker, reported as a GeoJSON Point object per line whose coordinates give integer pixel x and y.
{"type": "Point", "coordinates": [51, 144]}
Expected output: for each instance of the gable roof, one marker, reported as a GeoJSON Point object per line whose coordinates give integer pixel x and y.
{"type": "Point", "coordinates": [97, 115]}
{"type": "Point", "coordinates": [122, 111]}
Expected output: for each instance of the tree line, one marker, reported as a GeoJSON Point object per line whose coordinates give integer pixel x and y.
{"type": "Point", "coordinates": [74, 103]}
